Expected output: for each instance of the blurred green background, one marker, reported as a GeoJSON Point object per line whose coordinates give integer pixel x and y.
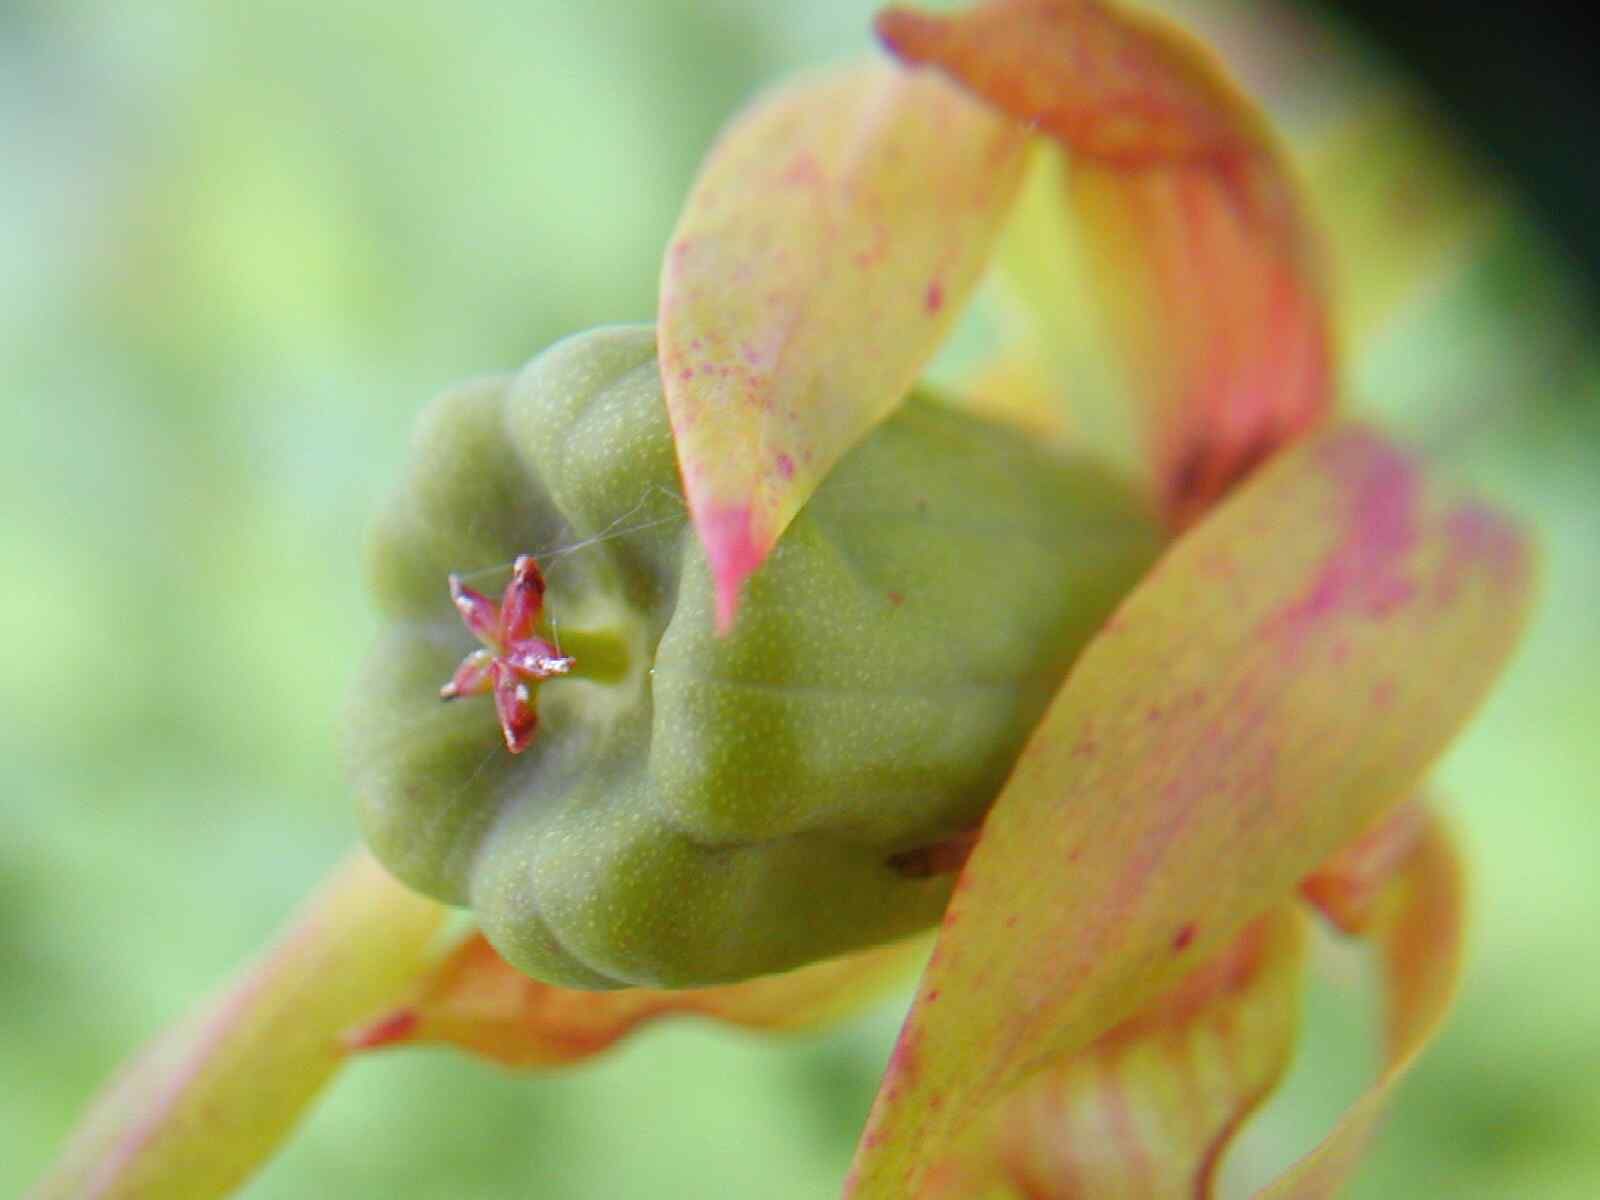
{"type": "Point", "coordinates": [240, 246]}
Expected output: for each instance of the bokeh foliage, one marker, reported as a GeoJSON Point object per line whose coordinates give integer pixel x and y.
{"type": "Point", "coordinates": [240, 246]}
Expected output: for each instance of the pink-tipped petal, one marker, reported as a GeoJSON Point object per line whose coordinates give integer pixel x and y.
{"type": "Point", "coordinates": [523, 600]}
{"type": "Point", "coordinates": [481, 614]}
{"type": "Point", "coordinates": [778, 354]}
{"type": "Point", "coordinates": [472, 677]}
{"type": "Point", "coordinates": [735, 554]}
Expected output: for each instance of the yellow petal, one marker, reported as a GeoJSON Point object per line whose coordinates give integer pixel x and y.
{"type": "Point", "coordinates": [833, 234]}
{"type": "Point", "coordinates": [1282, 677]}
{"type": "Point", "coordinates": [1149, 1109]}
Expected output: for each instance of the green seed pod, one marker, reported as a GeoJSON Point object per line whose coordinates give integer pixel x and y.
{"type": "Point", "coordinates": [695, 809]}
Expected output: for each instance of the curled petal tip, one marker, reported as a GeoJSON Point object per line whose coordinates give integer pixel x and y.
{"type": "Point", "coordinates": [938, 858]}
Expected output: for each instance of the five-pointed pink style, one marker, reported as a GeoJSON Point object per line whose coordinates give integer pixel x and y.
{"type": "Point", "coordinates": [514, 657]}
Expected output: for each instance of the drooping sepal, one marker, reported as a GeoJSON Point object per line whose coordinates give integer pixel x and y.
{"type": "Point", "coordinates": [476, 1001]}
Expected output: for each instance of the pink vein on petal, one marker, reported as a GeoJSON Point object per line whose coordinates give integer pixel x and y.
{"type": "Point", "coordinates": [1380, 491]}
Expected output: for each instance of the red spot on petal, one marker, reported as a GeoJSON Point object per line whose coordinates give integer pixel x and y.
{"type": "Point", "coordinates": [785, 466]}
{"type": "Point", "coordinates": [385, 1031]}
{"type": "Point", "coordinates": [1182, 940]}
{"type": "Point", "coordinates": [933, 298]}
{"type": "Point", "coordinates": [803, 170]}
{"type": "Point", "coordinates": [906, 1061]}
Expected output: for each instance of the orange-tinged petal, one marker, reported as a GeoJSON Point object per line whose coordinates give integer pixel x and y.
{"type": "Point", "coordinates": [1209, 271]}
{"type": "Point", "coordinates": [1397, 197]}
{"type": "Point", "coordinates": [1284, 675]}
{"type": "Point", "coordinates": [1150, 1107]}
{"type": "Point", "coordinates": [833, 234]}
{"type": "Point", "coordinates": [1418, 930]}
{"type": "Point", "coordinates": [1113, 85]}
{"type": "Point", "coordinates": [474, 1000]}
{"type": "Point", "coordinates": [206, 1103]}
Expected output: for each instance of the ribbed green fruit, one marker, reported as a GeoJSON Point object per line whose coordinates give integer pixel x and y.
{"type": "Point", "coordinates": [697, 809]}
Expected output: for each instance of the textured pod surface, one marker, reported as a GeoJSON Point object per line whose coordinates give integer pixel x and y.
{"type": "Point", "coordinates": [698, 809]}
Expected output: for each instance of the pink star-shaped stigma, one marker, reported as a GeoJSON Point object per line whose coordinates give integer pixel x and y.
{"type": "Point", "coordinates": [514, 657]}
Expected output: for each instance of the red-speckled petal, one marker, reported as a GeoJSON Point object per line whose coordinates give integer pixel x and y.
{"type": "Point", "coordinates": [833, 235]}
{"type": "Point", "coordinates": [1284, 675]}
